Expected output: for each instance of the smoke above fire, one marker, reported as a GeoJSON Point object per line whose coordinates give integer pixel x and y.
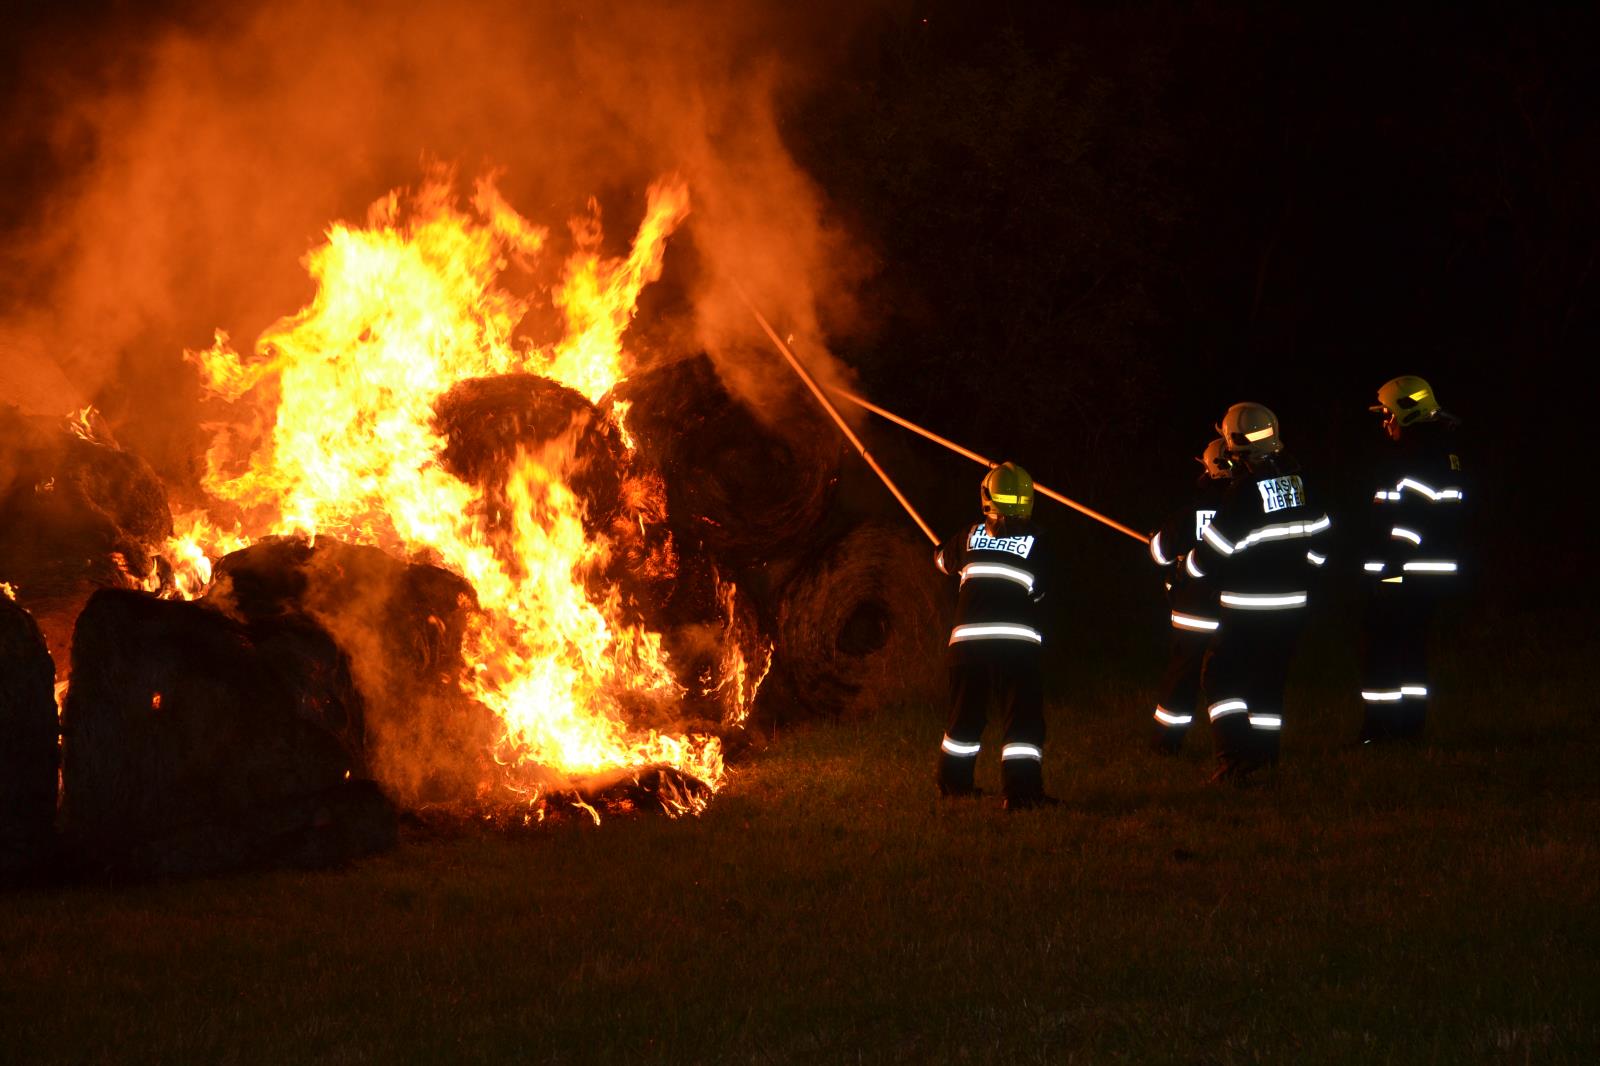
{"type": "Point", "coordinates": [215, 150]}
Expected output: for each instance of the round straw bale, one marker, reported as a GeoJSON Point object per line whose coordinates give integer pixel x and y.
{"type": "Point", "coordinates": [864, 627]}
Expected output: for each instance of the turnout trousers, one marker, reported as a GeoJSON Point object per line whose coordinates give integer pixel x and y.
{"type": "Point", "coordinates": [1178, 698]}
{"type": "Point", "coordinates": [1006, 672]}
{"type": "Point", "coordinates": [1245, 674]}
{"type": "Point", "coordinates": [1394, 681]}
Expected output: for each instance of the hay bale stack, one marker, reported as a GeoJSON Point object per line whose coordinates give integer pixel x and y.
{"type": "Point", "coordinates": [70, 507]}
{"type": "Point", "coordinates": [28, 751]}
{"type": "Point", "coordinates": [863, 627]}
{"type": "Point", "coordinates": [188, 749]}
{"type": "Point", "coordinates": [399, 627]}
{"type": "Point", "coordinates": [748, 491]}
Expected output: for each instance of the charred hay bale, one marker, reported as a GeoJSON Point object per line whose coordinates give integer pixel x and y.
{"type": "Point", "coordinates": [400, 628]}
{"type": "Point", "coordinates": [717, 646]}
{"type": "Point", "coordinates": [748, 490]}
{"type": "Point", "coordinates": [28, 751]}
{"type": "Point", "coordinates": [487, 421]}
{"type": "Point", "coordinates": [185, 751]}
{"type": "Point", "coordinates": [864, 627]}
{"type": "Point", "coordinates": [76, 514]}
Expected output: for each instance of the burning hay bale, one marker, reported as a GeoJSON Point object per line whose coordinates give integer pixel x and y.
{"type": "Point", "coordinates": [718, 646]}
{"type": "Point", "coordinates": [489, 421]}
{"type": "Point", "coordinates": [188, 749]}
{"type": "Point", "coordinates": [709, 629]}
{"type": "Point", "coordinates": [28, 752]}
{"type": "Point", "coordinates": [748, 491]}
{"type": "Point", "coordinates": [76, 513]}
{"type": "Point", "coordinates": [400, 628]}
{"type": "Point", "coordinates": [864, 626]}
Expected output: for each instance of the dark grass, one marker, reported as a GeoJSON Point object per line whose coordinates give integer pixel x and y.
{"type": "Point", "coordinates": [1424, 905]}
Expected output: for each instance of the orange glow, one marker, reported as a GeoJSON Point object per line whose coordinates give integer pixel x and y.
{"type": "Point", "coordinates": [405, 307]}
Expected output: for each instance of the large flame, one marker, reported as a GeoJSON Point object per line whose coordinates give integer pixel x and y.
{"type": "Point", "coordinates": [406, 306]}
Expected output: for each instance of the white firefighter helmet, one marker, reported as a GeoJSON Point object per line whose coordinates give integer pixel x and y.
{"type": "Point", "coordinates": [1250, 431]}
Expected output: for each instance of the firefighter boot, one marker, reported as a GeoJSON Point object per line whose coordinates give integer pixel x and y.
{"type": "Point", "coordinates": [1238, 754]}
{"type": "Point", "coordinates": [1022, 774]}
{"type": "Point", "coordinates": [954, 775]}
{"type": "Point", "coordinates": [1168, 739]}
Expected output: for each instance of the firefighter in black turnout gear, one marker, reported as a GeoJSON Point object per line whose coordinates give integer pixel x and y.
{"type": "Point", "coordinates": [995, 644]}
{"type": "Point", "coordinates": [1261, 550]}
{"type": "Point", "coordinates": [1413, 555]}
{"type": "Point", "coordinates": [1192, 599]}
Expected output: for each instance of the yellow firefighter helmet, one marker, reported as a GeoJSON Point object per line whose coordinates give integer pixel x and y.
{"type": "Point", "coordinates": [1007, 492]}
{"type": "Point", "coordinates": [1407, 399]}
{"type": "Point", "coordinates": [1216, 460]}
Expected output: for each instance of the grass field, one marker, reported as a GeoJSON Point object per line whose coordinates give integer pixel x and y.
{"type": "Point", "coordinates": [1426, 905]}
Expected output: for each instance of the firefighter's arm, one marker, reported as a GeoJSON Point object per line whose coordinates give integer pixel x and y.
{"type": "Point", "coordinates": [1044, 574]}
{"type": "Point", "coordinates": [947, 556]}
{"type": "Point", "coordinates": [1168, 543]}
{"type": "Point", "coordinates": [1216, 545]}
{"type": "Point", "coordinates": [1171, 544]}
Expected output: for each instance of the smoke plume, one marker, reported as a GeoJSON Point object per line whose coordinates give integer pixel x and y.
{"type": "Point", "coordinates": [199, 160]}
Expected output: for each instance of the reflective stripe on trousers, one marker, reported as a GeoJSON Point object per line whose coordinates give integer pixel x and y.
{"type": "Point", "coordinates": [1166, 717]}
{"type": "Point", "coordinates": [1224, 708]}
{"type": "Point", "coordinates": [995, 631]}
{"type": "Point", "coordinates": [960, 749]}
{"type": "Point", "coordinates": [1394, 695]}
{"type": "Point", "coordinates": [1263, 601]}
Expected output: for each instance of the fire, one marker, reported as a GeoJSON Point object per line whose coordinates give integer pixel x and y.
{"type": "Point", "coordinates": [85, 423]}
{"type": "Point", "coordinates": [405, 307]}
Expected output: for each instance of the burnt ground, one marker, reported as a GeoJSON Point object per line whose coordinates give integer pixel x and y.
{"type": "Point", "coordinates": [1431, 904]}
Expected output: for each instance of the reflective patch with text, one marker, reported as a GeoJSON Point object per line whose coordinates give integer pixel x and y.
{"type": "Point", "coordinates": [980, 541]}
{"type": "Point", "coordinates": [1281, 493]}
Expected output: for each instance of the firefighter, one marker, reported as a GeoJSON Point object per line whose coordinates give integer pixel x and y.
{"type": "Point", "coordinates": [1261, 551]}
{"type": "Point", "coordinates": [1192, 600]}
{"type": "Point", "coordinates": [995, 644]}
{"type": "Point", "coordinates": [1413, 555]}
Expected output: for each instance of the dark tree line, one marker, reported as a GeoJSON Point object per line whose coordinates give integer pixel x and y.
{"type": "Point", "coordinates": [1096, 227]}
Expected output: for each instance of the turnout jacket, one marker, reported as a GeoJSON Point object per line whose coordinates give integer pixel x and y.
{"type": "Point", "coordinates": [1415, 527]}
{"type": "Point", "coordinates": [1193, 599]}
{"type": "Point", "coordinates": [1262, 547]}
{"type": "Point", "coordinates": [1004, 575]}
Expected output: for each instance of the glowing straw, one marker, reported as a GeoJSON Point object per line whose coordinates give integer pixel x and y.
{"type": "Point", "coordinates": [816, 390]}
{"type": "Point", "coordinates": [975, 457]}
